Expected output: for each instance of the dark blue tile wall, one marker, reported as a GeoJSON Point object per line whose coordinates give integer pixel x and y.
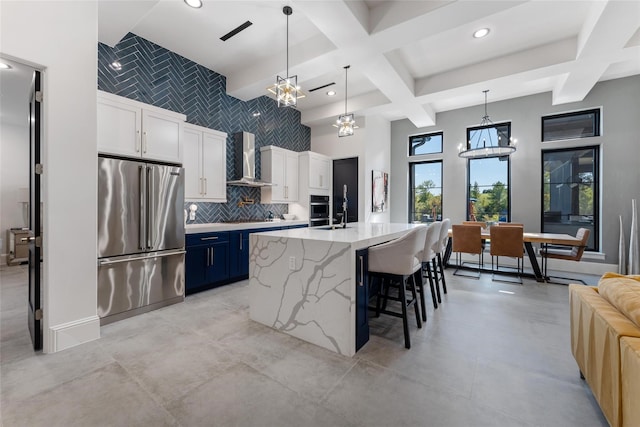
{"type": "Point", "coordinates": [157, 76]}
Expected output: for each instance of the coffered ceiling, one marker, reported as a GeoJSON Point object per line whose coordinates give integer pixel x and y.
{"type": "Point", "coordinates": [409, 59]}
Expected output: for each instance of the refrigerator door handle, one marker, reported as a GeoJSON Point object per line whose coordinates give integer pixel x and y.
{"type": "Point", "coordinates": [150, 207]}
{"type": "Point", "coordinates": [142, 185]}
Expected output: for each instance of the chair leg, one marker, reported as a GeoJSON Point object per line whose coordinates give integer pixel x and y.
{"type": "Point", "coordinates": [405, 322]}
{"type": "Point", "coordinates": [444, 283]}
{"type": "Point", "coordinates": [414, 292]}
{"type": "Point", "coordinates": [433, 291]}
{"type": "Point", "coordinates": [418, 277]}
{"type": "Point", "coordinates": [378, 299]}
{"type": "Point", "coordinates": [437, 285]}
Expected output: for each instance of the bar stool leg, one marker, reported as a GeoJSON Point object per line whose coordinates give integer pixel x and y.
{"type": "Point", "coordinates": [417, 276]}
{"type": "Point", "coordinates": [405, 322]}
{"type": "Point", "coordinates": [433, 291]}
{"type": "Point", "coordinates": [444, 283]}
{"type": "Point", "coordinates": [415, 302]}
{"type": "Point", "coordinates": [436, 281]}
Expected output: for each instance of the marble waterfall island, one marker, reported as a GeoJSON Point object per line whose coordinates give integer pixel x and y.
{"type": "Point", "coordinates": [303, 281]}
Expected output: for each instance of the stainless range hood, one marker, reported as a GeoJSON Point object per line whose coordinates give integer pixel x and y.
{"type": "Point", "coordinates": [245, 164]}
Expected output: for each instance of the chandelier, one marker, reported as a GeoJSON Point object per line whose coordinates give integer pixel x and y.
{"type": "Point", "coordinates": [346, 123]}
{"type": "Point", "coordinates": [286, 89]}
{"type": "Point", "coordinates": [504, 145]}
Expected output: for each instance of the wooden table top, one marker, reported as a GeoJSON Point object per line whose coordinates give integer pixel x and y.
{"type": "Point", "coordinates": [548, 238]}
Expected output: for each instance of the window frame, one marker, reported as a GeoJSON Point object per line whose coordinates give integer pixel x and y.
{"type": "Point", "coordinates": [597, 123]}
{"type": "Point", "coordinates": [468, 195]}
{"type": "Point", "coordinates": [596, 189]}
{"type": "Point", "coordinates": [411, 207]}
{"type": "Point", "coordinates": [437, 133]}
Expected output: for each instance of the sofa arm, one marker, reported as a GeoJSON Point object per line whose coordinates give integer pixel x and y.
{"type": "Point", "coordinates": [630, 378]}
{"type": "Point", "coordinates": [596, 329]}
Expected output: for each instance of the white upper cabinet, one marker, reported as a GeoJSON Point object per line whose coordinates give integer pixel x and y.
{"type": "Point", "coordinates": [134, 129]}
{"type": "Point", "coordinates": [205, 164]}
{"type": "Point", "coordinates": [319, 170]}
{"type": "Point", "coordinates": [279, 167]}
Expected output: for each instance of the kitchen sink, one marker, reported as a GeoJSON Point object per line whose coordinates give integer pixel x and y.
{"type": "Point", "coordinates": [242, 221]}
{"type": "Point", "coordinates": [331, 227]}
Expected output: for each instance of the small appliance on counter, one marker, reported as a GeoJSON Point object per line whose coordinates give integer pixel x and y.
{"type": "Point", "coordinates": [140, 237]}
{"type": "Point", "coordinates": [319, 211]}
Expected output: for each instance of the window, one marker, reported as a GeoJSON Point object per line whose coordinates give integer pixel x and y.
{"type": "Point", "coordinates": [579, 124]}
{"type": "Point", "coordinates": [425, 144]}
{"type": "Point", "coordinates": [425, 199]}
{"type": "Point", "coordinates": [570, 187]}
{"type": "Point", "coordinates": [488, 195]}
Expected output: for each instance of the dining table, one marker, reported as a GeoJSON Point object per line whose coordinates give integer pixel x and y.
{"type": "Point", "coordinates": [529, 239]}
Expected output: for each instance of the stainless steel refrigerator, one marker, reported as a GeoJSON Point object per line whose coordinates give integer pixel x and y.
{"type": "Point", "coordinates": [140, 237]}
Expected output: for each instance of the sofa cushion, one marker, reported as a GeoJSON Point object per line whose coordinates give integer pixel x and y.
{"type": "Point", "coordinates": [623, 292]}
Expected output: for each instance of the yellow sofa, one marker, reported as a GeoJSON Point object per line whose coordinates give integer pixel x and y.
{"type": "Point", "coordinates": [605, 341]}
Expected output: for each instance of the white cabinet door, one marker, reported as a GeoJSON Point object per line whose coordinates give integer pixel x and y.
{"type": "Point", "coordinates": [214, 166]}
{"type": "Point", "coordinates": [319, 172]}
{"type": "Point", "coordinates": [291, 176]}
{"type": "Point", "coordinates": [191, 161]}
{"type": "Point", "coordinates": [118, 128]}
{"type": "Point", "coordinates": [205, 164]}
{"type": "Point", "coordinates": [280, 167]}
{"type": "Point", "coordinates": [161, 135]}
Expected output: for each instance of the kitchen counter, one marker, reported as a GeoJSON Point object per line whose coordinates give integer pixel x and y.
{"type": "Point", "coordinates": [231, 226]}
{"type": "Point", "coordinates": [303, 281]}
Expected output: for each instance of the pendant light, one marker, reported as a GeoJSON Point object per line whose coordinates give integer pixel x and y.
{"type": "Point", "coordinates": [345, 123]}
{"type": "Point", "coordinates": [504, 145]}
{"type": "Point", "coordinates": [286, 89]}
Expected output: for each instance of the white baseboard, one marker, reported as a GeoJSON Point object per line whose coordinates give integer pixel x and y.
{"type": "Point", "coordinates": [71, 334]}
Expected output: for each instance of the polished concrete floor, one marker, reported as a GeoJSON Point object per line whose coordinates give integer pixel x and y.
{"type": "Point", "coordinates": [484, 358]}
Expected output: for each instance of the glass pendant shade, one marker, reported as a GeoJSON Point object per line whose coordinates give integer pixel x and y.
{"type": "Point", "coordinates": [345, 123]}
{"type": "Point", "coordinates": [286, 89]}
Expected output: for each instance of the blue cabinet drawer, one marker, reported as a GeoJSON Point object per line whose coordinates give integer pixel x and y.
{"type": "Point", "coordinates": [206, 238]}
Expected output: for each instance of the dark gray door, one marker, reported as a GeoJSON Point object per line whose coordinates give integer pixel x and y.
{"type": "Point", "coordinates": [35, 217]}
{"type": "Point", "coordinates": [345, 172]}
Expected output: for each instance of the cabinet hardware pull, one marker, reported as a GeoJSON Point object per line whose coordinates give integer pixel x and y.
{"type": "Point", "coordinates": [138, 141]}
{"type": "Point", "coordinates": [144, 142]}
{"type": "Point", "coordinates": [212, 249]}
{"type": "Point", "coordinates": [205, 186]}
{"type": "Point", "coordinates": [208, 256]}
{"type": "Point", "coordinates": [361, 282]}
{"type": "Point", "coordinates": [209, 238]}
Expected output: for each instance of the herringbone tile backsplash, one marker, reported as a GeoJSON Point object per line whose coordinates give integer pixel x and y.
{"type": "Point", "coordinates": [157, 76]}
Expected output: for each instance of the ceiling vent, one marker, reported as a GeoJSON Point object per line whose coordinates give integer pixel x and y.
{"type": "Point", "coordinates": [236, 31]}
{"type": "Point", "coordinates": [322, 87]}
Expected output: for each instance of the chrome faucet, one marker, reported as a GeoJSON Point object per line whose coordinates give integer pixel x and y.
{"type": "Point", "coordinates": [344, 207]}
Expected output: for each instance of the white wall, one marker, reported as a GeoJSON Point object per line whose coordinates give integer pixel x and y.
{"type": "Point", "coordinates": [377, 157]}
{"type": "Point", "coordinates": [14, 176]}
{"type": "Point", "coordinates": [620, 152]}
{"type": "Point", "coordinates": [61, 38]}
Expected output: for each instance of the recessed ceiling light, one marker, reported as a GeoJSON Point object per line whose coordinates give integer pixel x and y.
{"type": "Point", "coordinates": [4, 66]}
{"type": "Point", "coordinates": [481, 33]}
{"type": "Point", "coordinates": [331, 93]}
{"type": "Point", "coordinates": [194, 3]}
{"type": "Point", "coordinates": [116, 66]}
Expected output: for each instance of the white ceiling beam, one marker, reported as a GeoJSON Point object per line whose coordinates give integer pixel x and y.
{"type": "Point", "coordinates": [333, 110]}
{"type": "Point", "coordinates": [608, 28]}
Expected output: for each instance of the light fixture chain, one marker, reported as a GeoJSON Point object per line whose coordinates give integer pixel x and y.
{"type": "Point", "coordinates": [287, 76]}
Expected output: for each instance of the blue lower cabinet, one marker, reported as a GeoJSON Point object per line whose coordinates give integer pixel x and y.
{"type": "Point", "coordinates": [239, 254]}
{"type": "Point", "coordinates": [362, 298]}
{"type": "Point", "coordinates": [298, 226]}
{"type": "Point", "coordinates": [206, 261]}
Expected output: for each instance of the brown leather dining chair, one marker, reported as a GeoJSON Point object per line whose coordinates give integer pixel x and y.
{"type": "Point", "coordinates": [466, 239]}
{"type": "Point", "coordinates": [574, 255]}
{"type": "Point", "coordinates": [507, 241]}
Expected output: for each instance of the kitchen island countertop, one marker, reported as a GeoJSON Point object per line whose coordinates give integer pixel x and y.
{"type": "Point", "coordinates": [303, 281]}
